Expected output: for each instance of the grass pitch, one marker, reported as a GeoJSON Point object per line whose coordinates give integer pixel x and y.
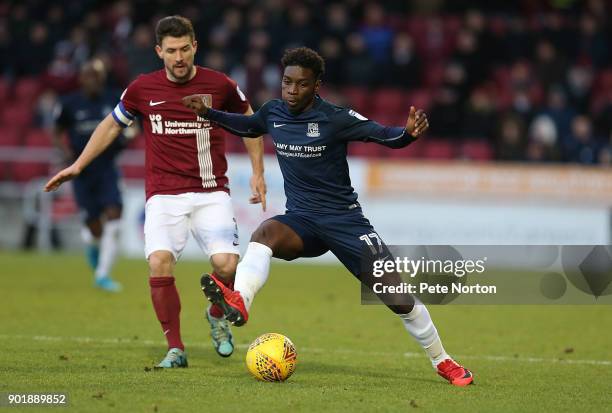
{"type": "Point", "coordinates": [58, 334]}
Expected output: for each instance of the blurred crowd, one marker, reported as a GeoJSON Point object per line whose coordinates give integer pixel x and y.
{"type": "Point", "coordinates": [532, 80]}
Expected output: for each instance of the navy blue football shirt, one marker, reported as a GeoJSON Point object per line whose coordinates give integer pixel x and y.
{"type": "Point", "coordinates": [79, 115]}
{"type": "Point", "coordinates": [311, 148]}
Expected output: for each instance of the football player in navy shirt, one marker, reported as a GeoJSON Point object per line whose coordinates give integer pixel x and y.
{"type": "Point", "coordinates": [311, 137]}
{"type": "Point", "coordinates": [96, 190]}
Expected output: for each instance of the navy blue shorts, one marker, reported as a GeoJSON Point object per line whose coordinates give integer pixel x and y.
{"type": "Point", "coordinates": [96, 192]}
{"type": "Point", "coordinates": [348, 235]}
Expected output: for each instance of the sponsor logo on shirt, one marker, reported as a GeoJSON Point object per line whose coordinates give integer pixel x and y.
{"type": "Point", "coordinates": [160, 126]}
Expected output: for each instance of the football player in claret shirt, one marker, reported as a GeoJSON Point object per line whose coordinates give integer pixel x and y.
{"type": "Point", "coordinates": [96, 190]}
{"type": "Point", "coordinates": [186, 187]}
{"type": "Point", "coordinates": [323, 214]}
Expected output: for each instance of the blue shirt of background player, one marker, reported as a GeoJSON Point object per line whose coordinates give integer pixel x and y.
{"type": "Point", "coordinates": [311, 148]}
{"type": "Point", "coordinates": [79, 115]}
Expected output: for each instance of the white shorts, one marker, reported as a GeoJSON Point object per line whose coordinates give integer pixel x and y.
{"type": "Point", "coordinates": [208, 215]}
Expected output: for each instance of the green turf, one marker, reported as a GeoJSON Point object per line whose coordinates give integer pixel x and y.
{"type": "Point", "coordinates": [58, 334]}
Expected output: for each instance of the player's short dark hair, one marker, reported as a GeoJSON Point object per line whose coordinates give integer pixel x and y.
{"type": "Point", "coordinates": [306, 58]}
{"type": "Point", "coordinates": [173, 26]}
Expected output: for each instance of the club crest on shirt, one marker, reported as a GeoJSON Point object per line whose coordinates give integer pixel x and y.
{"type": "Point", "coordinates": [313, 130]}
{"type": "Point", "coordinates": [207, 97]}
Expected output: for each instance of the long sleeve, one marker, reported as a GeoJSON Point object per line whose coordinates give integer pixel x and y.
{"type": "Point", "coordinates": [241, 125]}
{"type": "Point", "coordinates": [355, 127]}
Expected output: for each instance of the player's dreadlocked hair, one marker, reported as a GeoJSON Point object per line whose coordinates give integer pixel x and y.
{"type": "Point", "coordinates": [306, 58]}
{"type": "Point", "coordinates": [173, 26]}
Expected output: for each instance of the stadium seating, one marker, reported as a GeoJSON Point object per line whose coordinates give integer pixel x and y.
{"type": "Point", "coordinates": [438, 149]}
{"type": "Point", "coordinates": [38, 138]}
{"type": "Point", "coordinates": [27, 89]}
{"type": "Point", "coordinates": [11, 136]}
{"type": "Point", "coordinates": [18, 114]}
{"type": "Point", "coordinates": [26, 171]}
{"type": "Point", "coordinates": [133, 171]}
{"type": "Point", "coordinates": [478, 150]}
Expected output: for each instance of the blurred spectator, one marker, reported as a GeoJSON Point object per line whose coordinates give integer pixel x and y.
{"type": "Point", "coordinates": [478, 120]}
{"type": "Point", "coordinates": [6, 56]}
{"type": "Point", "coordinates": [542, 145]}
{"type": "Point", "coordinates": [338, 23]}
{"type": "Point", "coordinates": [579, 81]}
{"type": "Point", "coordinates": [140, 52]}
{"type": "Point", "coordinates": [510, 142]}
{"type": "Point", "coordinates": [561, 114]}
{"type": "Point", "coordinates": [404, 68]}
{"type": "Point", "coordinates": [359, 68]}
{"type": "Point", "coordinates": [376, 33]}
{"type": "Point", "coordinates": [485, 69]}
{"type": "Point", "coordinates": [331, 50]}
{"type": "Point", "coordinates": [445, 114]}
{"type": "Point", "coordinates": [549, 66]}
{"type": "Point", "coordinates": [582, 146]}
{"type": "Point", "coordinates": [303, 31]}
{"type": "Point", "coordinates": [256, 74]}
{"type": "Point", "coordinates": [593, 43]}
{"type": "Point", "coordinates": [470, 57]}
{"type": "Point", "coordinates": [36, 54]}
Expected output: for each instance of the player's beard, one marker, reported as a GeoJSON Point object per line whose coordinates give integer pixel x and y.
{"type": "Point", "coordinates": [182, 73]}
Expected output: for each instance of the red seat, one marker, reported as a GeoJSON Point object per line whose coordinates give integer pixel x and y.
{"type": "Point", "coordinates": [420, 99]}
{"type": "Point", "coordinates": [604, 80]}
{"type": "Point", "coordinates": [479, 150]}
{"type": "Point", "coordinates": [357, 98]}
{"type": "Point", "coordinates": [4, 90]}
{"type": "Point", "coordinates": [10, 136]}
{"type": "Point", "coordinates": [414, 150]}
{"type": "Point", "coordinates": [389, 101]}
{"type": "Point", "coordinates": [362, 149]}
{"type": "Point", "coordinates": [138, 142]}
{"type": "Point", "coordinates": [4, 170]}
{"type": "Point", "coordinates": [133, 171]}
{"type": "Point", "coordinates": [17, 115]}
{"type": "Point", "coordinates": [234, 144]}
{"type": "Point", "coordinates": [39, 138]}
{"type": "Point", "coordinates": [438, 149]}
{"type": "Point", "coordinates": [269, 147]}
{"type": "Point", "coordinates": [26, 171]}
{"type": "Point", "coordinates": [63, 207]}
{"type": "Point", "coordinates": [396, 118]}
{"type": "Point", "coordinates": [27, 89]}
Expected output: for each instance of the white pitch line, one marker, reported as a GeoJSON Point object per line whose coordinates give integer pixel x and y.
{"type": "Point", "coordinates": [522, 359]}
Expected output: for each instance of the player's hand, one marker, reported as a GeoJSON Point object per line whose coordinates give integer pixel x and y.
{"type": "Point", "coordinates": [417, 122]}
{"type": "Point", "coordinates": [197, 103]}
{"type": "Point", "coordinates": [62, 176]}
{"type": "Point", "coordinates": [258, 189]}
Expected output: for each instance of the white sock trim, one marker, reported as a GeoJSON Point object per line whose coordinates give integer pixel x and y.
{"type": "Point", "coordinates": [252, 271]}
{"type": "Point", "coordinates": [109, 247]}
{"type": "Point", "coordinates": [419, 325]}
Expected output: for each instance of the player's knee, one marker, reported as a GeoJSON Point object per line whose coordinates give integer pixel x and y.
{"type": "Point", "coordinates": [264, 234]}
{"type": "Point", "coordinates": [112, 212]}
{"type": "Point", "coordinates": [161, 263]}
{"type": "Point", "coordinates": [224, 265]}
{"type": "Point", "coordinates": [95, 227]}
{"type": "Point", "coordinates": [401, 309]}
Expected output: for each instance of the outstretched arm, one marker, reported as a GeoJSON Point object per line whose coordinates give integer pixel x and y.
{"type": "Point", "coordinates": [106, 132]}
{"type": "Point", "coordinates": [241, 125]}
{"type": "Point", "coordinates": [363, 129]}
{"type": "Point", "coordinates": [254, 147]}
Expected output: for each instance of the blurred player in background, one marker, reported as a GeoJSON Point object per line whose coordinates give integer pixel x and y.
{"type": "Point", "coordinates": [96, 189]}
{"type": "Point", "coordinates": [186, 186]}
{"type": "Point", "coordinates": [311, 138]}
